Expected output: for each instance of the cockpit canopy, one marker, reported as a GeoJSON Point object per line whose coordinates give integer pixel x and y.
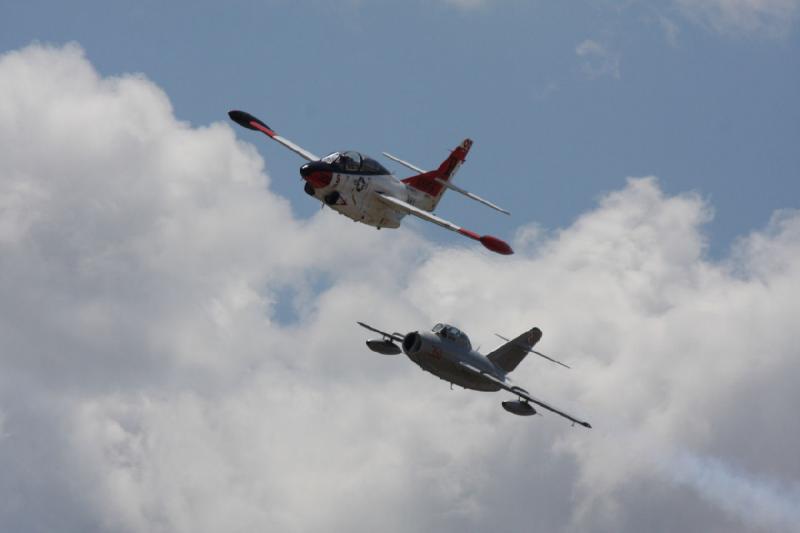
{"type": "Point", "coordinates": [453, 333]}
{"type": "Point", "coordinates": [354, 163]}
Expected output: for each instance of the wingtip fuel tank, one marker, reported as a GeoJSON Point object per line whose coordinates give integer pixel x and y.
{"type": "Point", "coordinates": [383, 346]}
{"type": "Point", "coordinates": [246, 120]}
{"type": "Point", "coordinates": [496, 245]}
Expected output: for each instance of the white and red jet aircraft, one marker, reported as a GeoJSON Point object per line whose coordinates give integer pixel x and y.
{"type": "Point", "coordinates": [360, 188]}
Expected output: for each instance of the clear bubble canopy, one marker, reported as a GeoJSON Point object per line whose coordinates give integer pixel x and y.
{"type": "Point", "coordinates": [453, 333]}
{"type": "Point", "coordinates": [352, 161]}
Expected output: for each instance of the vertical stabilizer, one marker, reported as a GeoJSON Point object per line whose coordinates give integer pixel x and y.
{"type": "Point", "coordinates": [509, 355]}
{"type": "Point", "coordinates": [427, 184]}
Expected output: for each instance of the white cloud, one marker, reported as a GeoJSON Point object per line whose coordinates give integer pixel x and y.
{"type": "Point", "coordinates": [599, 61]}
{"type": "Point", "coordinates": [148, 384]}
{"type": "Point", "coordinates": [765, 504]}
{"type": "Point", "coordinates": [764, 17]}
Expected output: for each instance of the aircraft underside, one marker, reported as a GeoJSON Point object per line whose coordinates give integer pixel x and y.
{"type": "Point", "coordinates": [453, 373]}
{"type": "Point", "coordinates": [354, 197]}
{"type": "Point", "coordinates": [372, 213]}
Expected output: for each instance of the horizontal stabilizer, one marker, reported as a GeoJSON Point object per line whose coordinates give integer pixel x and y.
{"type": "Point", "coordinates": [528, 350]}
{"type": "Point", "coordinates": [445, 181]}
{"type": "Point", "coordinates": [429, 183]}
{"type": "Point", "coordinates": [471, 195]}
{"type": "Point", "coordinates": [511, 354]}
{"type": "Point", "coordinates": [404, 163]}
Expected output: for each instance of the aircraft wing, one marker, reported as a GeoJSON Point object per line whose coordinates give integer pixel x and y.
{"type": "Point", "coordinates": [394, 336]}
{"type": "Point", "coordinates": [246, 120]}
{"type": "Point", "coordinates": [522, 393]}
{"type": "Point", "coordinates": [492, 243]}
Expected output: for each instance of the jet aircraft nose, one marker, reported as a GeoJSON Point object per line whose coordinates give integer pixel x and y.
{"type": "Point", "coordinates": [317, 173]}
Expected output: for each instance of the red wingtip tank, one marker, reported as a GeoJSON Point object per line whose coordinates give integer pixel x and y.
{"type": "Point", "coordinates": [496, 245]}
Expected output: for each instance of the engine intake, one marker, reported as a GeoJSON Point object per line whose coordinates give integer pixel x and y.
{"type": "Point", "coordinates": [412, 343]}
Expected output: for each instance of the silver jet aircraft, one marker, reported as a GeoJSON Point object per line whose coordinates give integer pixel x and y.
{"type": "Point", "coordinates": [446, 352]}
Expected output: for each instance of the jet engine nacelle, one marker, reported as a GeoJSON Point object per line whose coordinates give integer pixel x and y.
{"type": "Point", "coordinates": [519, 407]}
{"type": "Point", "coordinates": [386, 347]}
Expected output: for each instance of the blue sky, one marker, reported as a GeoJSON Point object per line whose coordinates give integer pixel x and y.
{"type": "Point", "coordinates": [704, 104]}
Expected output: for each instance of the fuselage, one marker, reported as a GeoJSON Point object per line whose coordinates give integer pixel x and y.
{"type": "Point", "coordinates": [439, 352]}
{"type": "Point", "coordinates": [349, 183]}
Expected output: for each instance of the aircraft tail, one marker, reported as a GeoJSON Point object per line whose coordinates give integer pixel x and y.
{"type": "Point", "coordinates": [429, 183]}
{"type": "Point", "coordinates": [509, 355]}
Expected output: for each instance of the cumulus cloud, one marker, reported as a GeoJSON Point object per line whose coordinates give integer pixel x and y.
{"type": "Point", "coordinates": [764, 17]}
{"type": "Point", "coordinates": [150, 382]}
{"type": "Point", "coordinates": [598, 60]}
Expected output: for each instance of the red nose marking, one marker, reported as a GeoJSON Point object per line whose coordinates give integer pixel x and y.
{"type": "Point", "coordinates": [319, 178]}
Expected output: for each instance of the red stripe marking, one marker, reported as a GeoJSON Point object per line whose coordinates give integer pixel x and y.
{"type": "Point", "coordinates": [258, 126]}
{"type": "Point", "coordinates": [470, 234]}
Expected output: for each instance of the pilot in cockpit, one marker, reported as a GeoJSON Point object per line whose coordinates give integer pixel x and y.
{"type": "Point", "coordinates": [350, 161]}
{"type": "Point", "coordinates": [452, 333]}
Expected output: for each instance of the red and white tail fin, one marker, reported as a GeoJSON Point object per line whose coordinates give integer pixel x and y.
{"type": "Point", "coordinates": [430, 183]}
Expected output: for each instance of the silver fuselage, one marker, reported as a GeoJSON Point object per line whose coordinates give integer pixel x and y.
{"type": "Point", "coordinates": [441, 356]}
